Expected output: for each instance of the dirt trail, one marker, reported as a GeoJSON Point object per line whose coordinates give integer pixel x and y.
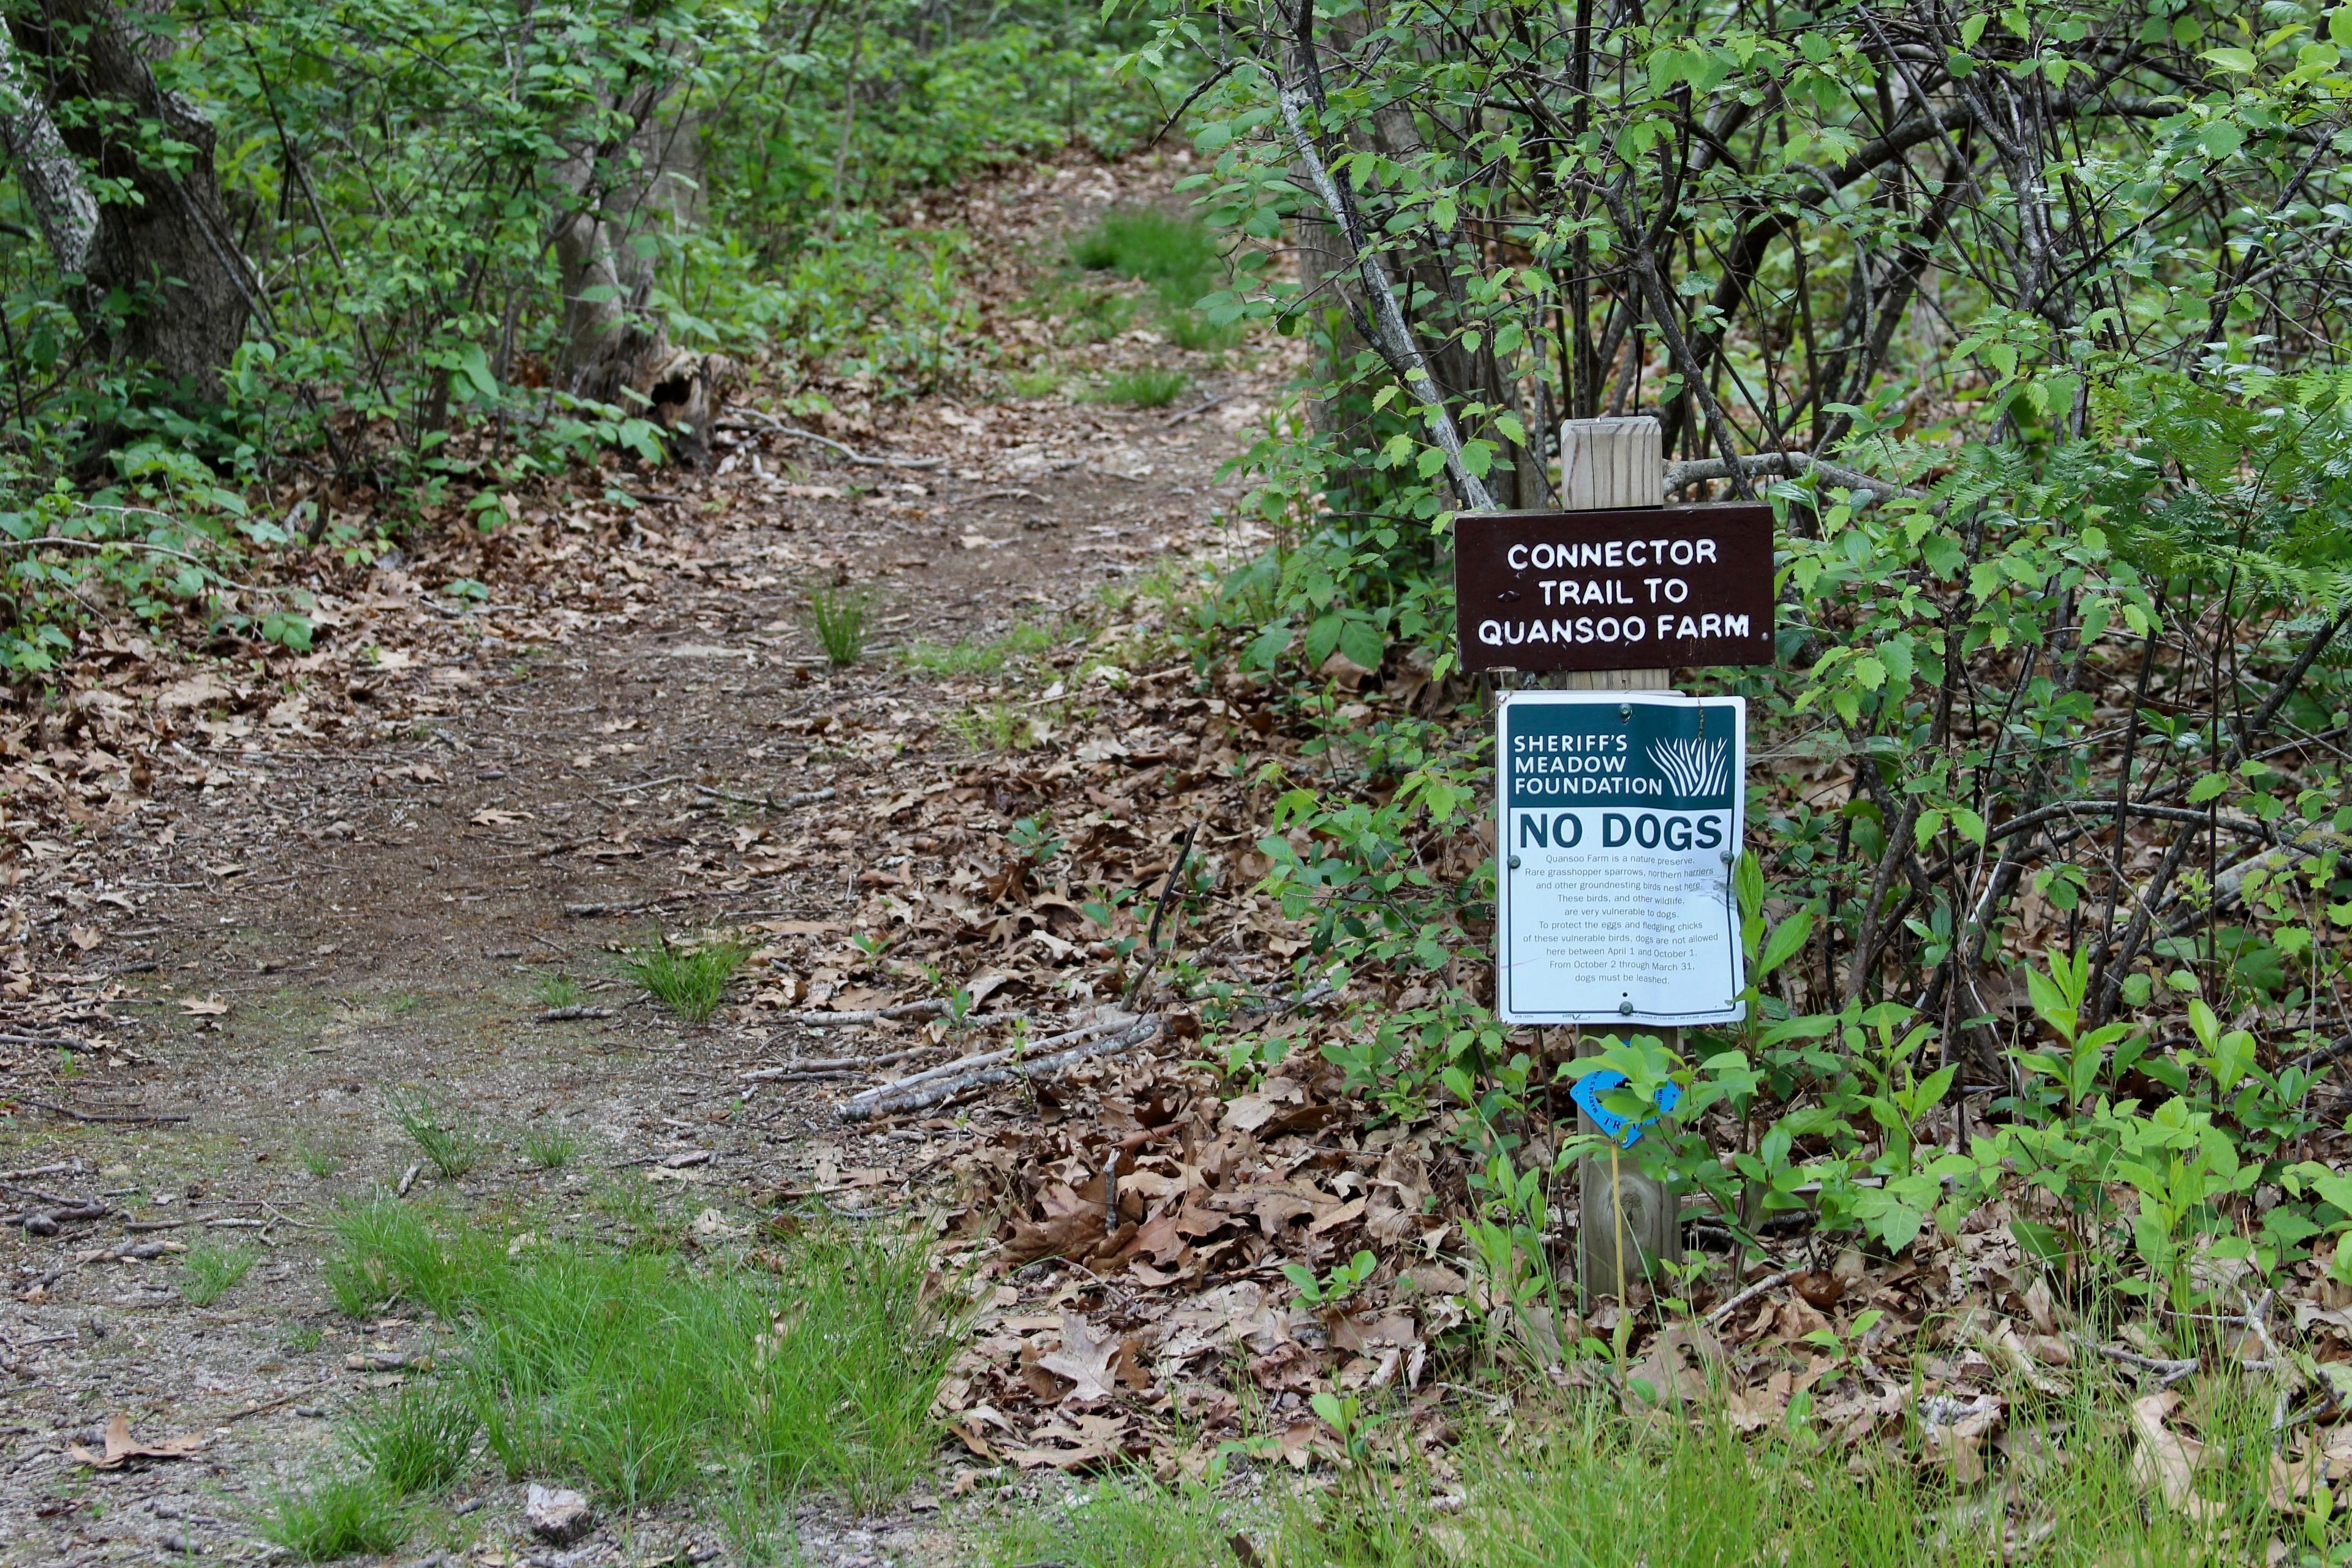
{"type": "Point", "coordinates": [303, 925]}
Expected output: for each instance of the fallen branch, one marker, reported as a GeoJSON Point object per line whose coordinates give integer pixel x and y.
{"type": "Point", "coordinates": [57, 1042]}
{"type": "Point", "coordinates": [930, 1009]}
{"type": "Point", "coordinates": [2167, 1371]}
{"type": "Point", "coordinates": [140, 1226]}
{"type": "Point", "coordinates": [1115, 1019]}
{"type": "Point", "coordinates": [45, 1221]}
{"type": "Point", "coordinates": [805, 797]}
{"type": "Point", "coordinates": [98, 1115]}
{"type": "Point", "coordinates": [1769, 1283]}
{"type": "Point", "coordinates": [1194, 412]}
{"type": "Point", "coordinates": [2324, 1055]}
{"type": "Point", "coordinates": [926, 1089]}
{"type": "Point", "coordinates": [562, 1015]}
{"type": "Point", "coordinates": [828, 1066]}
{"type": "Point", "coordinates": [592, 912]}
{"type": "Point", "coordinates": [781, 428]}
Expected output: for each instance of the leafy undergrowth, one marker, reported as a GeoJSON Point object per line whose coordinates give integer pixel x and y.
{"type": "Point", "coordinates": [1584, 1486]}
{"type": "Point", "coordinates": [647, 1376]}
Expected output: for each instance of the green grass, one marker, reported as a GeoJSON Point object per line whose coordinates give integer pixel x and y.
{"type": "Point", "coordinates": [1177, 256]}
{"type": "Point", "coordinates": [1089, 313]}
{"type": "Point", "coordinates": [1191, 329]}
{"type": "Point", "coordinates": [647, 1378]}
{"type": "Point", "coordinates": [689, 981]}
{"type": "Point", "coordinates": [448, 1145]}
{"type": "Point", "coordinates": [557, 991]}
{"type": "Point", "coordinates": [1034, 383]}
{"type": "Point", "coordinates": [1598, 1487]}
{"type": "Point", "coordinates": [997, 727]}
{"type": "Point", "coordinates": [211, 1270]}
{"type": "Point", "coordinates": [1150, 387]}
{"type": "Point", "coordinates": [337, 1516]}
{"type": "Point", "coordinates": [550, 1144]}
{"type": "Point", "coordinates": [839, 617]}
{"type": "Point", "coordinates": [982, 656]}
{"type": "Point", "coordinates": [419, 1440]}
{"type": "Point", "coordinates": [320, 1160]}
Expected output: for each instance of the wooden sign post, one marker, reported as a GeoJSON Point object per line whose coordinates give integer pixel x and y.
{"type": "Point", "coordinates": [1607, 595]}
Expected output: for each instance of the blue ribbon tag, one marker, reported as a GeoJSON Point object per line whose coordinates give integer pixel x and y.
{"type": "Point", "coordinates": [1613, 1126]}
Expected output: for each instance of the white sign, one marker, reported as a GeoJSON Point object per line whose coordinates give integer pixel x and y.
{"type": "Point", "coordinates": [1618, 825]}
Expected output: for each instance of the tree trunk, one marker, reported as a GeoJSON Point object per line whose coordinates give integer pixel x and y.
{"type": "Point", "coordinates": [167, 248]}
{"type": "Point", "coordinates": [613, 350]}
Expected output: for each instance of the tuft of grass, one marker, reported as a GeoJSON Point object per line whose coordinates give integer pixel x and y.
{"type": "Point", "coordinates": [555, 990]}
{"type": "Point", "coordinates": [976, 656]}
{"type": "Point", "coordinates": [1191, 329]}
{"type": "Point", "coordinates": [419, 1440]}
{"type": "Point", "coordinates": [1034, 383]}
{"type": "Point", "coordinates": [646, 1380]}
{"type": "Point", "coordinates": [1177, 256]}
{"type": "Point", "coordinates": [1150, 387]}
{"type": "Point", "coordinates": [451, 1148]}
{"type": "Point", "coordinates": [689, 981]}
{"type": "Point", "coordinates": [839, 617]}
{"type": "Point", "coordinates": [337, 1516]}
{"type": "Point", "coordinates": [321, 1160]}
{"type": "Point", "coordinates": [388, 1249]}
{"type": "Point", "coordinates": [551, 1144]}
{"type": "Point", "coordinates": [998, 727]}
{"type": "Point", "coordinates": [211, 1270]}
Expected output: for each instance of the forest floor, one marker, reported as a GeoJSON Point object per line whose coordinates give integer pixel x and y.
{"type": "Point", "coordinates": [261, 907]}
{"type": "Point", "coordinates": [374, 872]}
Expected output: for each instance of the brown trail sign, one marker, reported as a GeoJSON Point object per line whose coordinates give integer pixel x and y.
{"type": "Point", "coordinates": [1674, 587]}
{"type": "Point", "coordinates": [1613, 594]}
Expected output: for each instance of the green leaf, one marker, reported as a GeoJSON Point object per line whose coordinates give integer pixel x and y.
{"type": "Point", "coordinates": [1787, 940]}
{"type": "Point", "coordinates": [2237, 60]}
{"type": "Point", "coordinates": [1361, 643]}
{"type": "Point", "coordinates": [2206, 788]}
{"type": "Point", "coordinates": [1973, 28]}
{"type": "Point", "coordinates": [1322, 636]}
